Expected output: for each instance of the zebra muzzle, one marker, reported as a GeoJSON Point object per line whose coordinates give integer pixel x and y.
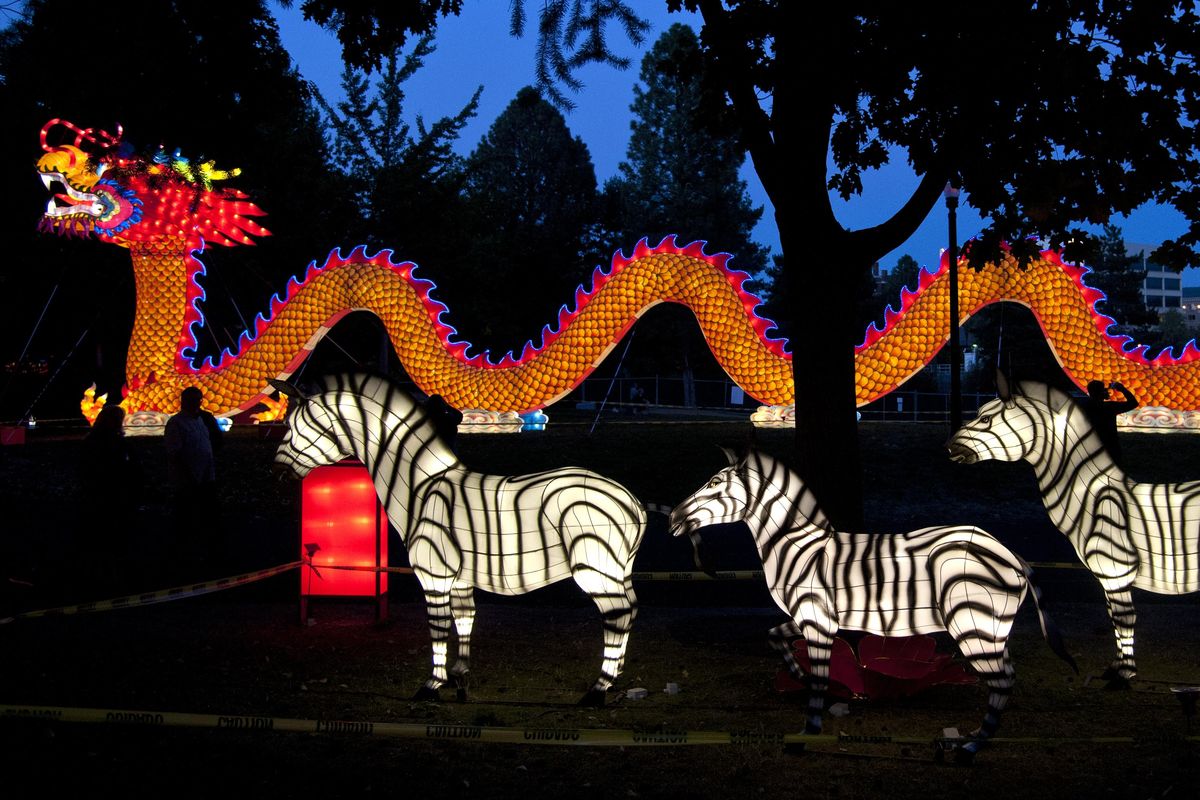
{"type": "Point", "coordinates": [283, 471]}
{"type": "Point", "coordinates": [960, 453]}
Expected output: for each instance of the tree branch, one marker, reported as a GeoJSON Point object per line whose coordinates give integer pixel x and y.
{"type": "Point", "coordinates": [879, 240]}
{"type": "Point", "coordinates": [729, 60]}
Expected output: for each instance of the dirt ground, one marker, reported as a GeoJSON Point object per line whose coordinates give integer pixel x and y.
{"type": "Point", "coordinates": [243, 652]}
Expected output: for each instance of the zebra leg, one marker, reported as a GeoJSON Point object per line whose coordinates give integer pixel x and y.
{"type": "Point", "coordinates": [1124, 618]}
{"type": "Point", "coordinates": [999, 679]}
{"type": "Point", "coordinates": [631, 598]}
{"type": "Point", "coordinates": [981, 632]}
{"type": "Point", "coordinates": [618, 606]}
{"type": "Point", "coordinates": [780, 638]}
{"type": "Point", "coordinates": [820, 649]}
{"type": "Point", "coordinates": [437, 609]}
{"type": "Point", "coordinates": [462, 607]}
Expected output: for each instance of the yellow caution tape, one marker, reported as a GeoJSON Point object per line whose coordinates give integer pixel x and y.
{"type": "Point", "coordinates": [716, 575]}
{"type": "Point", "coordinates": [396, 570]}
{"type": "Point", "coordinates": [593, 737]}
{"type": "Point", "coordinates": [160, 596]}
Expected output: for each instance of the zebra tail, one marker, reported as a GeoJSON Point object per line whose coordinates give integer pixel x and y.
{"type": "Point", "coordinates": [1050, 630]}
{"type": "Point", "coordinates": [698, 555]}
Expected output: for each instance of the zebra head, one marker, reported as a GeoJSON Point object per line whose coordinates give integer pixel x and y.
{"type": "Point", "coordinates": [312, 436]}
{"type": "Point", "coordinates": [724, 498]}
{"type": "Point", "coordinates": [1021, 422]}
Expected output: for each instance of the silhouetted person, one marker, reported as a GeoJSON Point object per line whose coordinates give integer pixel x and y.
{"type": "Point", "coordinates": [109, 483]}
{"type": "Point", "coordinates": [191, 438]}
{"type": "Point", "coordinates": [446, 419]}
{"type": "Point", "coordinates": [107, 473]}
{"type": "Point", "coordinates": [638, 402]}
{"type": "Point", "coordinates": [1102, 412]}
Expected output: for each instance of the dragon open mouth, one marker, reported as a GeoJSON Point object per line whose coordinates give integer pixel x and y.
{"type": "Point", "coordinates": [75, 209]}
{"type": "Point", "coordinates": [70, 201]}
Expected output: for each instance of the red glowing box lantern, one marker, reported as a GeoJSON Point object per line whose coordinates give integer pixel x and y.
{"type": "Point", "coordinates": [340, 514]}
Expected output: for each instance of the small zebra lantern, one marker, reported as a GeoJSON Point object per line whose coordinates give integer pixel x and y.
{"type": "Point", "coordinates": [1143, 535]}
{"type": "Point", "coordinates": [466, 530]}
{"type": "Point", "coordinates": [956, 579]}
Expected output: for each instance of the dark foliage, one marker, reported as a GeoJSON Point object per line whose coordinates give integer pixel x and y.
{"type": "Point", "coordinates": [370, 31]}
{"type": "Point", "coordinates": [1120, 278]}
{"type": "Point", "coordinates": [407, 181]}
{"type": "Point", "coordinates": [680, 175]}
{"type": "Point", "coordinates": [533, 211]}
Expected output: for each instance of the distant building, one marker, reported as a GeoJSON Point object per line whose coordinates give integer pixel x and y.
{"type": "Point", "coordinates": [1191, 307]}
{"type": "Point", "coordinates": [1162, 288]}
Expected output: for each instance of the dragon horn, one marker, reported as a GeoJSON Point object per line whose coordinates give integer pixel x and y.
{"type": "Point", "coordinates": [102, 137]}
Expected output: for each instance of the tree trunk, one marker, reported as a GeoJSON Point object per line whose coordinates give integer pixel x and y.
{"type": "Point", "coordinates": [823, 334]}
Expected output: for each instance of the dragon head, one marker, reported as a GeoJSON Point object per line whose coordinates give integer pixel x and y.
{"type": "Point", "coordinates": [111, 193]}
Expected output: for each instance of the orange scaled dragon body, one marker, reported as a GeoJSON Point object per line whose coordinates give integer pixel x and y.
{"type": "Point", "coordinates": [165, 210]}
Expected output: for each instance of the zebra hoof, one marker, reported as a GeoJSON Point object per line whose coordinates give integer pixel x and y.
{"type": "Point", "coordinates": [427, 694]}
{"type": "Point", "coordinates": [593, 699]}
{"type": "Point", "coordinates": [1115, 680]}
{"type": "Point", "coordinates": [459, 682]}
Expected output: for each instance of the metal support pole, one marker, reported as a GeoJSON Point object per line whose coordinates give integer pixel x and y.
{"type": "Point", "coordinates": [956, 416]}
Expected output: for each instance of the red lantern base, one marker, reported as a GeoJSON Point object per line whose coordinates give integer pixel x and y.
{"type": "Point", "coordinates": [343, 536]}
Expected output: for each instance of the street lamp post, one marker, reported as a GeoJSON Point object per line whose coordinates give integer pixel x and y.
{"type": "Point", "coordinates": [956, 418]}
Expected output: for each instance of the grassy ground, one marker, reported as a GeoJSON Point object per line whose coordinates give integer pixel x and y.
{"type": "Point", "coordinates": [243, 652]}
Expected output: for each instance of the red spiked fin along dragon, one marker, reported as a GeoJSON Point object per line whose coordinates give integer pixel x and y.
{"type": "Point", "coordinates": [165, 209]}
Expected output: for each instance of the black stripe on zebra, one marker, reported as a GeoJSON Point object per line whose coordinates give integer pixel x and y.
{"type": "Point", "coordinates": [466, 530]}
{"type": "Point", "coordinates": [1129, 535]}
{"type": "Point", "coordinates": [957, 579]}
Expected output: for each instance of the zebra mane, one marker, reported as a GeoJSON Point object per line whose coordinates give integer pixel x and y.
{"type": "Point", "coordinates": [1052, 397]}
{"type": "Point", "coordinates": [382, 390]}
{"type": "Point", "coordinates": [368, 385]}
{"type": "Point", "coordinates": [786, 480]}
{"type": "Point", "coordinates": [1066, 412]}
{"type": "Point", "coordinates": [1058, 402]}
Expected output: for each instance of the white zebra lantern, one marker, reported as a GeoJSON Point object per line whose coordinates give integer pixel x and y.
{"type": "Point", "coordinates": [956, 579]}
{"type": "Point", "coordinates": [1142, 535]}
{"type": "Point", "coordinates": [465, 530]}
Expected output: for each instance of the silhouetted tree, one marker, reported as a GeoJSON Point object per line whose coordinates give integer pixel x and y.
{"type": "Point", "coordinates": [1115, 273]}
{"type": "Point", "coordinates": [531, 193]}
{"type": "Point", "coordinates": [905, 273]}
{"type": "Point", "coordinates": [680, 173]}
{"type": "Point", "coordinates": [408, 184]}
{"type": "Point", "coordinates": [1172, 332]}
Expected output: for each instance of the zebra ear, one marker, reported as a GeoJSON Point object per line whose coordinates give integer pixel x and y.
{"type": "Point", "coordinates": [287, 389]}
{"type": "Point", "coordinates": [1002, 387]}
{"type": "Point", "coordinates": [730, 455]}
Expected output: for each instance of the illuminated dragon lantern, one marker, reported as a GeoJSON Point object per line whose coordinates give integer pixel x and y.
{"type": "Point", "coordinates": [165, 210]}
